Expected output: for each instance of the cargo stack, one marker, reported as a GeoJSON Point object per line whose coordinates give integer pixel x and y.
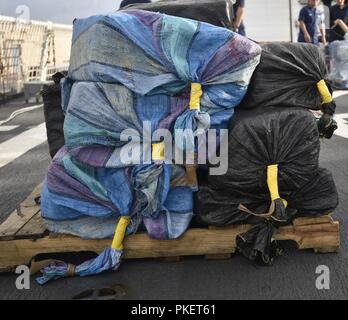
{"type": "Point", "coordinates": [134, 72]}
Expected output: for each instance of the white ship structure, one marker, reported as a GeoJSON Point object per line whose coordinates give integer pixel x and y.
{"type": "Point", "coordinates": [31, 51]}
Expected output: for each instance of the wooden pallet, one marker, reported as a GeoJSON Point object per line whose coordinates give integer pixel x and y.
{"type": "Point", "coordinates": [24, 236]}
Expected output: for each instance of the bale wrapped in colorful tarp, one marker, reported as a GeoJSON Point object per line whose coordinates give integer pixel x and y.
{"type": "Point", "coordinates": [93, 202]}
{"type": "Point", "coordinates": [86, 201]}
{"type": "Point", "coordinates": [153, 53]}
{"type": "Point", "coordinates": [168, 54]}
{"type": "Point", "coordinates": [273, 175]}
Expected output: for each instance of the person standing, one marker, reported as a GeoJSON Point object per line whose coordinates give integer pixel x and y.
{"type": "Point", "coordinates": [321, 27]}
{"type": "Point", "coordinates": [338, 18]}
{"type": "Point", "coordinates": [310, 20]}
{"type": "Point", "coordinates": [338, 11]}
{"type": "Point", "coordinates": [327, 3]}
{"type": "Point", "coordinates": [238, 22]}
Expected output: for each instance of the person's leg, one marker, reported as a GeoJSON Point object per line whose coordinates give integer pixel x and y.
{"type": "Point", "coordinates": [242, 30]}
{"type": "Point", "coordinates": [340, 23]}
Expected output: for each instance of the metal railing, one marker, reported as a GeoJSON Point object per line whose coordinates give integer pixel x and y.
{"type": "Point", "coordinates": [28, 52]}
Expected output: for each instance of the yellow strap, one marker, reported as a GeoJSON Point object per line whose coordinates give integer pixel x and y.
{"type": "Point", "coordinates": [158, 151]}
{"type": "Point", "coordinates": [71, 272]}
{"type": "Point", "coordinates": [272, 182]}
{"type": "Point", "coordinates": [196, 94]}
{"type": "Point", "coordinates": [324, 91]}
{"type": "Point", "coordinates": [120, 233]}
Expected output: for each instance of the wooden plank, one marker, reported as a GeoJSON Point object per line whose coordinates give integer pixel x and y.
{"type": "Point", "coordinates": [19, 218]}
{"type": "Point", "coordinates": [325, 235]}
{"type": "Point", "coordinates": [302, 221]}
{"type": "Point", "coordinates": [138, 246]}
{"type": "Point", "coordinates": [322, 237]}
{"type": "Point", "coordinates": [30, 201]}
{"type": "Point", "coordinates": [34, 229]}
{"type": "Point", "coordinates": [194, 242]}
{"type": "Point", "coordinates": [16, 221]}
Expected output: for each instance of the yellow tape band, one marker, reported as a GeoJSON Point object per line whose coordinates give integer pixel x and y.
{"type": "Point", "coordinates": [324, 91]}
{"type": "Point", "coordinates": [120, 233]}
{"type": "Point", "coordinates": [272, 182]}
{"type": "Point", "coordinates": [158, 153]}
{"type": "Point", "coordinates": [196, 94]}
{"type": "Point", "coordinates": [285, 203]}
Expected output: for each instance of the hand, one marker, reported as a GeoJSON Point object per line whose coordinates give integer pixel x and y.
{"type": "Point", "coordinates": [324, 41]}
{"type": "Point", "coordinates": [307, 38]}
{"type": "Point", "coordinates": [336, 23]}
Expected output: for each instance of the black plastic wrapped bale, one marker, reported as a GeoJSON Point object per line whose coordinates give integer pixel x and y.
{"type": "Point", "coordinates": [269, 148]}
{"type": "Point", "coordinates": [288, 75]}
{"type": "Point", "coordinates": [54, 115]}
{"type": "Point", "coordinates": [216, 12]}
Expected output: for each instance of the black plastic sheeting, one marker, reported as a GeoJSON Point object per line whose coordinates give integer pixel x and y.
{"type": "Point", "coordinates": [216, 12]}
{"type": "Point", "coordinates": [287, 76]}
{"type": "Point", "coordinates": [125, 3]}
{"type": "Point", "coordinates": [54, 116]}
{"type": "Point", "coordinates": [258, 138]}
